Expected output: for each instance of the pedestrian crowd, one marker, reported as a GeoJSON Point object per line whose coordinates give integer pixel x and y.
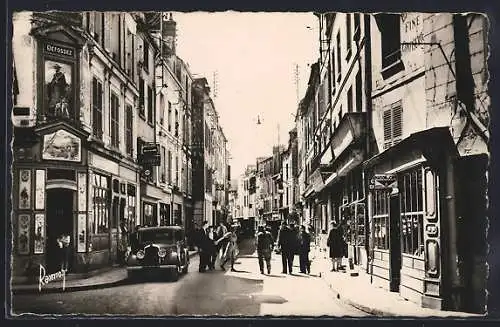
{"type": "Point", "coordinates": [216, 243]}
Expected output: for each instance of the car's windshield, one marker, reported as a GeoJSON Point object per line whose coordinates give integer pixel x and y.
{"type": "Point", "coordinates": [159, 236]}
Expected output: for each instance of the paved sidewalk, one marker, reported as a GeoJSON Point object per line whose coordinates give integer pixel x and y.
{"type": "Point", "coordinates": [104, 278]}
{"type": "Point", "coordinates": [358, 292]}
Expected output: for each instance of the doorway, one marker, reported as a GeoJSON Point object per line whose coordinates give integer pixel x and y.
{"type": "Point", "coordinates": [60, 219]}
{"type": "Point", "coordinates": [394, 243]}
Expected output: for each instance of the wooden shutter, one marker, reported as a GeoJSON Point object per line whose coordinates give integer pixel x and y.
{"type": "Point", "coordinates": [387, 129]}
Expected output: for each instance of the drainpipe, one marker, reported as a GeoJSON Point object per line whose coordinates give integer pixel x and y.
{"type": "Point", "coordinates": [368, 131]}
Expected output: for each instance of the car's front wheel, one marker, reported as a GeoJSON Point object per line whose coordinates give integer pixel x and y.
{"type": "Point", "coordinates": [175, 274]}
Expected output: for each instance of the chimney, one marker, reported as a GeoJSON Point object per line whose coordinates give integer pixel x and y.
{"type": "Point", "coordinates": [169, 33]}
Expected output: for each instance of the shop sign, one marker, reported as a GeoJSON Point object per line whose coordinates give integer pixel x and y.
{"type": "Point", "coordinates": [39, 233]}
{"type": "Point", "coordinates": [383, 181]}
{"type": "Point", "coordinates": [316, 180]}
{"type": "Point", "coordinates": [59, 50]}
{"type": "Point", "coordinates": [150, 154]}
{"type": "Point", "coordinates": [61, 145]}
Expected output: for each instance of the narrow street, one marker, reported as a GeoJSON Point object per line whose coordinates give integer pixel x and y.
{"type": "Point", "coordinates": [245, 292]}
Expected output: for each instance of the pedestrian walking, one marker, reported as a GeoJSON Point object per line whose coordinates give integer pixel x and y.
{"type": "Point", "coordinates": [231, 250]}
{"type": "Point", "coordinates": [264, 248]}
{"type": "Point", "coordinates": [211, 247]}
{"type": "Point", "coordinates": [203, 247]}
{"type": "Point", "coordinates": [64, 243]}
{"type": "Point", "coordinates": [304, 248]}
{"type": "Point", "coordinates": [336, 244]}
{"type": "Point", "coordinates": [286, 245]}
{"type": "Point", "coordinates": [220, 232]}
{"type": "Point", "coordinates": [123, 244]}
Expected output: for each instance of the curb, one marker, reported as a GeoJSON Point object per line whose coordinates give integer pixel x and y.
{"type": "Point", "coordinates": [76, 288]}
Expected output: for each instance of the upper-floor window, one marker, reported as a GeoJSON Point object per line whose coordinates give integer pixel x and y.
{"type": "Point", "coordinates": [129, 130]}
{"type": "Point", "coordinates": [97, 108]}
{"type": "Point", "coordinates": [393, 124]}
{"type": "Point", "coordinates": [348, 40]}
{"type": "Point", "coordinates": [169, 116]}
{"type": "Point", "coordinates": [349, 100]}
{"type": "Point", "coordinates": [162, 108]}
{"type": "Point", "coordinates": [176, 123]}
{"type": "Point", "coordinates": [163, 175]}
{"type": "Point", "coordinates": [339, 58]}
{"type": "Point", "coordinates": [145, 56]}
{"type": "Point", "coordinates": [141, 98]}
{"type": "Point", "coordinates": [115, 107]}
{"type": "Point", "coordinates": [389, 25]}
{"type": "Point", "coordinates": [357, 27]}
{"type": "Point", "coordinates": [129, 54]}
{"type": "Point", "coordinates": [359, 93]}
{"type": "Point", "coordinates": [150, 105]}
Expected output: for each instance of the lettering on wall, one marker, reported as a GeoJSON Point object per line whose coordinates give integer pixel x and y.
{"type": "Point", "coordinates": [412, 37]}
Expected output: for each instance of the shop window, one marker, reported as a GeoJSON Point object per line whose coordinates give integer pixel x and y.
{"type": "Point", "coordinates": [97, 108]}
{"type": "Point", "coordinates": [115, 134]}
{"type": "Point", "coordinates": [149, 214]}
{"type": "Point", "coordinates": [129, 125]}
{"type": "Point", "coordinates": [412, 236]}
{"type": "Point", "coordinates": [101, 203]}
{"type": "Point", "coordinates": [393, 124]}
{"type": "Point", "coordinates": [177, 214]}
{"type": "Point", "coordinates": [164, 214]}
{"type": "Point", "coordinates": [381, 219]}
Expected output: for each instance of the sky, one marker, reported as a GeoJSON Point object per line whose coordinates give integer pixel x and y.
{"type": "Point", "coordinates": [254, 56]}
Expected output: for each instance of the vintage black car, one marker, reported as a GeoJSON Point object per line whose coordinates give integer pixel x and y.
{"type": "Point", "coordinates": [159, 249]}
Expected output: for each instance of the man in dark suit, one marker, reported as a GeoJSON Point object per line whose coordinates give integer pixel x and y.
{"type": "Point", "coordinates": [285, 242]}
{"type": "Point", "coordinates": [203, 247]}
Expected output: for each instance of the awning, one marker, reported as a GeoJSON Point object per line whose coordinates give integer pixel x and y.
{"type": "Point", "coordinates": [431, 143]}
{"type": "Point", "coordinates": [344, 166]}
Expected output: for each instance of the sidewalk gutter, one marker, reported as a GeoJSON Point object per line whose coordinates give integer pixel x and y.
{"type": "Point", "coordinates": [120, 279]}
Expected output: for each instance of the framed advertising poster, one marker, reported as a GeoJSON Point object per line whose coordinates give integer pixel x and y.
{"type": "Point", "coordinates": [82, 191]}
{"type": "Point", "coordinates": [82, 232]}
{"type": "Point", "coordinates": [39, 233]}
{"type": "Point", "coordinates": [40, 190]}
{"type": "Point", "coordinates": [24, 189]}
{"type": "Point", "coordinates": [23, 234]}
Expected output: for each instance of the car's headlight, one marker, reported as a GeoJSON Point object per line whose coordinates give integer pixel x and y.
{"type": "Point", "coordinates": [162, 253]}
{"type": "Point", "coordinates": [140, 254]}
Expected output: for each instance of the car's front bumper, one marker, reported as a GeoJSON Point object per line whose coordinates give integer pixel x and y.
{"type": "Point", "coordinates": [150, 268]}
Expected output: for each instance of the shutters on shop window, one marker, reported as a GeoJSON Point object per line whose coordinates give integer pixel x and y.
{"type": "Point", "coordinates": [393, 124]}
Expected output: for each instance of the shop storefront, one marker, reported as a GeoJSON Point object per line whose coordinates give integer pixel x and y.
{"type": "Point", "coordinates": [413, 217]}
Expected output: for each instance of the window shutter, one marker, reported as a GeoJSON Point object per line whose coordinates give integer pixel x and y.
{"type": "Point", "coordinates": [397, 122]}
{"type": "Point", "coordinates": [387, 129]}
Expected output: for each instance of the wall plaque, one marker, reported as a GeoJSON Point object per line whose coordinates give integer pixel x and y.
{"type": "Point", "coordinates": [61, 145]}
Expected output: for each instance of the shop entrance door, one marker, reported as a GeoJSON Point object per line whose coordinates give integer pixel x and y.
{"type": "Point", "coordinates": [59, 221]}
{"type": "Point", "coordinates": [394, 243]}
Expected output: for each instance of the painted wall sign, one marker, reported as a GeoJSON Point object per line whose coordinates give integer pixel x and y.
{"type": "Point", "coordinates": [82, 191]}
{"type": "Point", "coordinates": [24, 189]}
{"type": "Point", "coordinates": [23, 234]}
{"type": "Point", "coordinates": [58, 88]}
{"type": "Point", "coordinates": [59, 50]}
{"type": "Point", "coordinates": [82, 232]}
{"type": "Point", "coordinates": [39, 233]}
{"type": "Point", "coordinates": [412, 37]}
{"type": "Point", "coordinates": [61, 145]}
{"type": "Point", "coordinates": [40, 189]}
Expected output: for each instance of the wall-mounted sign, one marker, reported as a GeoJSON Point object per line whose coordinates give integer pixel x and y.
{"type": "Point", "coordinates": [23, 234]}
{"type": "Point", "coordinates": [58, 89]}
{"type": "Point", "coordinates": [383, 181]}
{"type": "Point", "coordinates": [150, 154]}
{"type": "Point", "coordinates": [82, 232]}
{"type": "Point", "coordinates": [39, 233]}
{"type": "Point", "coordinates": [24, 189]}
{"type": "Point", "coordinates": [40, 189]}
{"type": "Point", "coordinates": [61, 145]}
{"type": "Point", "coordinates": [59, 50]}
